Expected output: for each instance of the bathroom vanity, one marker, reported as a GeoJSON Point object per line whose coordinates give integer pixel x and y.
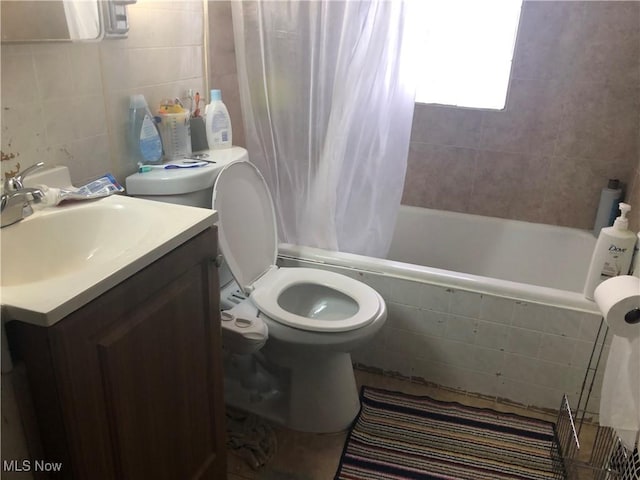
{"type": "Point", "coordinates": [130, 385]}
{"type": "Point", "coordinates": [113, 324]}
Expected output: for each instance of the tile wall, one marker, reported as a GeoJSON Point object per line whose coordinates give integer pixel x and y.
{"type": "Point", "coordinates": [498, 347]}
{"type": "Point", "coordinates": [222, 69]}
{"type": "Point", "coordinates": [571, 122]}
{"type": "Point", "coordinates": [68, 103]}
{"type": "Point", "coordinates": [634, 195]}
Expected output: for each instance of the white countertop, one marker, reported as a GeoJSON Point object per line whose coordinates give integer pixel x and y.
{"type": "Point", "coordinates": [44, 301]}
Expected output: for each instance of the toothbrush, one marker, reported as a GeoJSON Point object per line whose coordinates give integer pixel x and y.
{"type": "Point", "coordinates": [170, 166]}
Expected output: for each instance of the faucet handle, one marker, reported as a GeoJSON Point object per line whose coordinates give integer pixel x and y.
{"type": "Point", "coordinates": [14, 206]}
{"type": "Point", "coordinates": [16, 182]}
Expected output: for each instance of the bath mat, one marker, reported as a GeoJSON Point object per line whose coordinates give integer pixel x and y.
{"type": "Point", "coordinates": [398, 436]}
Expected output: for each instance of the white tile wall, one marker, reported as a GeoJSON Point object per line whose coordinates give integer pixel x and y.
{"type": "Point", "coordinates": [494, 346]}
{"type": "Point", "coordinates": [67, 103]}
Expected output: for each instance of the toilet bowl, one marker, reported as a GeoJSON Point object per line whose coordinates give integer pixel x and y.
{"type": "Point", "coordinates": [299, 325]}
{"type": "Point", "coordinates": [315, 317]}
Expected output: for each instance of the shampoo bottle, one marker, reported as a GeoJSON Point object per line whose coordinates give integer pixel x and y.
{"type": "Point", "coordinates": [612, 253]}
{"type": "Point", "coordinates": [218, 122]}
{"type": "Point", "coordinates": [144, 135]}
{"type": "Point", "coordinates": [635, 263]}
{"type": "Point", "coordinates": [608, 206]}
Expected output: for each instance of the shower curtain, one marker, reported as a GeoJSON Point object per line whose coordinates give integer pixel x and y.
{"type": "Point", "coordinates": [327, 98]}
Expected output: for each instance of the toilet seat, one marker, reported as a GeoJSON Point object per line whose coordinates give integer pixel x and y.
{"type": "Point", "coordinates": [268, 291]}
{"type": "Point", "coordinates": [249, 243]}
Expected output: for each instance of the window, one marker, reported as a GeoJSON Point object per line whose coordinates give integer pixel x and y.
{"type": "Point", "coordinates": [467, 57]}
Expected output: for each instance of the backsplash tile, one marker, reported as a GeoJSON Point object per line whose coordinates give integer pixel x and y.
{"type": "Point", "coordinates": [19, 81]}
{"type": "Point", "coordinates": [520, 351]}
{"type": "Point", "coordinates": [53, 73]}
{"type": "Point", "coordinates": [68, 103]}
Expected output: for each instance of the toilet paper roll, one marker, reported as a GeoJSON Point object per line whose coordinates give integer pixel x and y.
{"type": "Point", "coordinates": [619, 301]}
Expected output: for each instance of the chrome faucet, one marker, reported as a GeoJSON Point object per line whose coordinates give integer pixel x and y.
{"type": "Point", "coordinates": [15, 202]}
{"type": "Point", "coordinates": [17, 182]}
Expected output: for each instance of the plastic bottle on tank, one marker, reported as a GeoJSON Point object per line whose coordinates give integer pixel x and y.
{"type": "Point", "coordinates": [144, 135]}
{"type": "Point", "coordinates": [612, 253]}
{"type": "Point", "coordinates": [218, 123]}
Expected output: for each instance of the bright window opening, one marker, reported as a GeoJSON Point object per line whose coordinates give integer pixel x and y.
{"type": "Point", "coordinates": [466, 59]}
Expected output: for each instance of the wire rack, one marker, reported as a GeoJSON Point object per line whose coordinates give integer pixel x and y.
{"type": "Point", "coordinates": [602, 455]}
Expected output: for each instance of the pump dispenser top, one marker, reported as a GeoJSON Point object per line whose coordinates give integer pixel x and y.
{"type": "Point", "coordinates": [622, 223]}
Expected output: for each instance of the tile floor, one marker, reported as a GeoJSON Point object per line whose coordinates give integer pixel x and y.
{"type": "Point", "coordinates": [309, 456]}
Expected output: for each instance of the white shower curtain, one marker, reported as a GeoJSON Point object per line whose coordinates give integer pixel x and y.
{"type": "Point", "coordinates": [327, 99]}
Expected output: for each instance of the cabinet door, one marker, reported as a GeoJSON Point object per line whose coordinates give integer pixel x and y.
{"type": "Point", "coordinates": [140, 374]}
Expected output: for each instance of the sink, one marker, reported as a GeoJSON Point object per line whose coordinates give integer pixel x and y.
{"type": "Point", "coordinates": [60, 258]}
{"type": "Point", "coordinates": [65, 240]}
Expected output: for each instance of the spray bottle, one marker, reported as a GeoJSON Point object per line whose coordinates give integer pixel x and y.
{"type": "Point", "coordinates": [144, 135]}
{"type": "Point", "coordinates": [612, 253]}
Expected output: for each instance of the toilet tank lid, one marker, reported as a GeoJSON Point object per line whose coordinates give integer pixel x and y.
{"type": "Point", "coordinates": [179, 181]}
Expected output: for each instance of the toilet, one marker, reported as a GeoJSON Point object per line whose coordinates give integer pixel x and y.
{"type": "Point", "coordinates": [312, 318]}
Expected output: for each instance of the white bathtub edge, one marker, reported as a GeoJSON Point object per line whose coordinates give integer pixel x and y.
{"type": "Point", "coordinates": [444, 278]}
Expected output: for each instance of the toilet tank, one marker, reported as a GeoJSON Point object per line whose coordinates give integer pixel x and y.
{"type": "Point", "coordinates": [185, 186]}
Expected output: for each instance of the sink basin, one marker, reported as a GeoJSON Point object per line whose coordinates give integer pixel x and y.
{"type": "Point", "coordinates": [60, 258]}
{"type": "Point", "coordinates": [66, 240]}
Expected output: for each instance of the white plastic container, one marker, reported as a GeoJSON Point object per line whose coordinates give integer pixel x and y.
{"type": "Point", "coordinates": [612, 253]}
{"type": "Point", "coordinates": [635, 264]}
{"type": "Point", "coordinates": [218, 123]}
{"type": "Point", "coordinates": [608, 206]}
{"type": "Point", "coordinates": [144, 135]}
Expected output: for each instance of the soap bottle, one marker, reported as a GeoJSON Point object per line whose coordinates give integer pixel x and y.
{"type": "Point", "coordinates": [612, 253]}
{"type": "Point", "coordinates": [635, 263]}
{"type": "Point", "coordinates": [608, 206]}
{"type": "Point", "coordinates": [145, 138]}
{"type": "Point", "coordinates": [218, 123]}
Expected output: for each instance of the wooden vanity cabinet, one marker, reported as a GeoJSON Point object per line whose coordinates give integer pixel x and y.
{"type": "Point", "coordinates": [130, 386]}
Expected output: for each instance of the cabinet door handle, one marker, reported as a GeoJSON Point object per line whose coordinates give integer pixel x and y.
{"type": "Point", "coordinates": [219, 260]}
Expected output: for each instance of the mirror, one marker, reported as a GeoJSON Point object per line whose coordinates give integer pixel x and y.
{"type": "Point", "coordinates": [63, 20]}
{"type": "Point", "coordinates": [51, 20]}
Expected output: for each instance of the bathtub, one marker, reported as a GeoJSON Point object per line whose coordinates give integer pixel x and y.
{"type": "Point", "coordinates": [480, 304]}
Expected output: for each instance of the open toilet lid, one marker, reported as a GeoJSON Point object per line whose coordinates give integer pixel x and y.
{"type": "Point", "coordinates": [246, 222]}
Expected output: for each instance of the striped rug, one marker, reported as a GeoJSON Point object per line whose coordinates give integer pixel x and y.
{"type": "Point", "coordinates": [398, 436]}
